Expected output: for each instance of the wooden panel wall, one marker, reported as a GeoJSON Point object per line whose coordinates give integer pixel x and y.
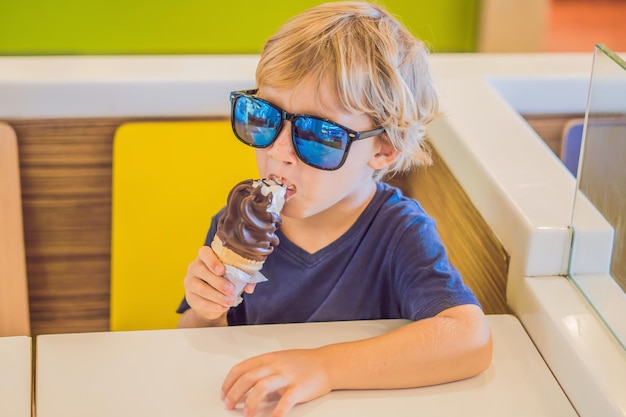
{"type": "Point", "coordinates": [66, 190]}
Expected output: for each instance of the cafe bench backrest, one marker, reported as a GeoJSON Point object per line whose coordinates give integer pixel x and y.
{"type": "Point", "coordinates": [14, 307]}
{"type": "Point", "coordinates": [169, 179]}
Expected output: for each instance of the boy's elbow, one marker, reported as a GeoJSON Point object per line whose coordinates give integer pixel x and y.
{"type": "Point", "coordinates": [473, 339]}
{"type": "Point", "coordinates": [483, 352]}
{"type": "Point", "coordinates": [480, 344]}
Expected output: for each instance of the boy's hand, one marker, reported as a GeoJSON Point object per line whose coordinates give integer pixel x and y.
{"type": "Point", "coordinates": [296, 375]}
{"type": "Point", "coordinates": [208, 293]}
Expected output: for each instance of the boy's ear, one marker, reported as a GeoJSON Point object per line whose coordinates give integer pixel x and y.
{"type": "Point", "coordinates": [384, 154]}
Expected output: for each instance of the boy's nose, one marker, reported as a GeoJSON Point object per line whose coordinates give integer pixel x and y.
{"type": "Point", "coordinates": [282, 148]}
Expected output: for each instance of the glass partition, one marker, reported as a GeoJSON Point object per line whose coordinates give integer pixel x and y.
{"type": "Point", "coordinates": [598, 259]}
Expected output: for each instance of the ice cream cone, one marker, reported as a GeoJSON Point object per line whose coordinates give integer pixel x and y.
{"type": "Point", "coordinates": [245, 233]}
{"type": "Point", "coordinates": [229, 257]}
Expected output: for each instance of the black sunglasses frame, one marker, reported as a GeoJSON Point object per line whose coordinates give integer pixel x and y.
{"type": "Point", "coordinates": [353, 135]}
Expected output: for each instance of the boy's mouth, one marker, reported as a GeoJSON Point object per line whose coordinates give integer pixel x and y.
{"type": "Point", "coordinates": [290, 188]}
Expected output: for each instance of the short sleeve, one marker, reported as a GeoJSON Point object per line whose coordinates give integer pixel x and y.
{"type": "Point", "coordinates": [426, 282]}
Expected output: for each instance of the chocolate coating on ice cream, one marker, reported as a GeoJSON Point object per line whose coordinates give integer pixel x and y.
{"type": "Point", "coordinates": [247, 227]}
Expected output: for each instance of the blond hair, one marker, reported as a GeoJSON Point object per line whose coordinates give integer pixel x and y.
{"type": "Point", "coordinates": [374, 64]}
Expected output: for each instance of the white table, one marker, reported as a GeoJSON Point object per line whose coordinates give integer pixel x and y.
{"type": "Point", "coordinates": [179, 372]}
{"type": "Point", "coordinates": [15, 376]}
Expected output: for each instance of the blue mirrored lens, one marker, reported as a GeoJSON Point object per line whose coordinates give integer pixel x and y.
{"type": "Point", "coordinates": [256, 122]}
{"type": "Point", "coordinates": [320, 143]}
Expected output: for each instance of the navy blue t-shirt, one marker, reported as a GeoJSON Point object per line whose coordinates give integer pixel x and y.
{"type": "Point", "coordinates": [389, 264]}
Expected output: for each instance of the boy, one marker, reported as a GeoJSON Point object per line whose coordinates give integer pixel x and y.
{"type": "Point", "coordinates": [351, 247]}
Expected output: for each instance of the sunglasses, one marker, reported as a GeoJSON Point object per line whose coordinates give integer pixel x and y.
{"type": "Point", "coordinates": [318, 142]}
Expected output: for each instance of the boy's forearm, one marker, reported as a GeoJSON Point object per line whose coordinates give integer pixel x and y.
{"type": "Point", "coordinates": [429, 352]}
{"type": "Point", "coordinates": [190, 318]}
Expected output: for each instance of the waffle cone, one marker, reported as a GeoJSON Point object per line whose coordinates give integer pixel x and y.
{"type": "Point", "coordinates": [229, 257]}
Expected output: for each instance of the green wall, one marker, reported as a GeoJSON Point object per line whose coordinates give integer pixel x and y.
{"type": "Point", "coordinates": [53, 27]}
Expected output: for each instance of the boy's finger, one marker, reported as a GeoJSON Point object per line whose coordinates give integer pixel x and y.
{"type": "Point", "coordinates": [208, 257]}
{"type": "Point", "coordinates": [249, 288]}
